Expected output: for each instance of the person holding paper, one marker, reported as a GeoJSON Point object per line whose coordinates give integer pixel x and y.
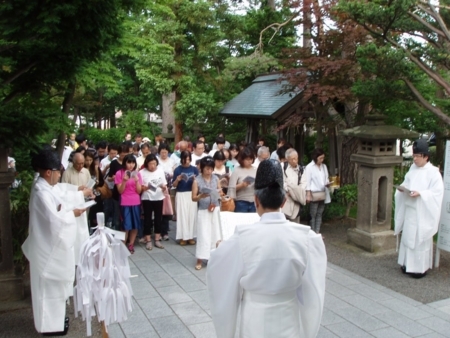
{"type": "Point", "coordinates": [129, 185]}
{"type": "Point", "coordinates": [294, 187]}
{"type": "Point", "coordinates": [183, 178]}
{"type": "Point", "coordinates": [273, 271]}
{"type": "Point", "coordinates": [241, 187]}
{"type": "Point", "coordinates": [50, 246]}
{"type": "Point", "coordinates": [205, 191]}
{"type": "Point", "coordinates": [153, 188]}
{"type": "Point", "coordinates": [417, 213]}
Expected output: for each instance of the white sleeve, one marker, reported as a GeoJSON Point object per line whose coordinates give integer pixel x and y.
{"type": "Point", "coordinates": [311, 293]}
{"type": "Point", "coordinates": [225, 269]}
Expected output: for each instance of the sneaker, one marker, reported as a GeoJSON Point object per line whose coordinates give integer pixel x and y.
{"type": "Point", "coordinates": [131, 248]}
{"type": "Point", "coordinates": [149, 246]}
{"type": "Point", "coordinates": [165, 237]}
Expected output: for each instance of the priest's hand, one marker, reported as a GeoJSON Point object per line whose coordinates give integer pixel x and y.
{"type": "Point", "coordinates": [81, 188]}
{"type": "Point", "coordinates": [78, 212]}
{"type": "Point", "coordinates": [414, 194]}
{"type": "Point", "coordinates": [218, 242]}
{"type": "Point", "coordinates": [87, 192]}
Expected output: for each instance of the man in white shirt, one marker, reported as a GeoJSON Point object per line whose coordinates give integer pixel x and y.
{"type": "Point", "coordinates": [145, 150]}
{"type": "Point", "coordinates": [417, 213]}
{"type": "Point", "coordinates": [198, 153]}
{"type": "Point", "coordinates": [262, 154]}
{"type": "Point", "coordinates": [273, 270]}
{"type": "Point", "coordinates": [226, 146]}
{"type": "Point", "coordinates": [183, 145]}
{"type": "Point", "coordinates": [77, 174]}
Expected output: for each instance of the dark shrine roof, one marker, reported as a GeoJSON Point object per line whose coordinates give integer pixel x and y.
{"type": "Point", "coordinates": [261, 100]}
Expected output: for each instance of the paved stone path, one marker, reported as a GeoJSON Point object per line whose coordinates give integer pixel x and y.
{"type": "Point", "coordinates": [171, 301]}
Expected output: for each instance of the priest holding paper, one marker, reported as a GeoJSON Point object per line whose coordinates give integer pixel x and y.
{"type": "Point", "coordinates": [50, 243]}
{"type": "Point", "coordinates": [273, 270]}
{"type": "Point", "coordinates": [417, 212]}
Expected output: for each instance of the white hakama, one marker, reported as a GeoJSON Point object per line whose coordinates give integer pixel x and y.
{"type": "Point", "coordinates": [418, 217]}
{"type": "Point", "coordinates": [208, 232]}
{"type": "Point", "coordinates": [186, 216]}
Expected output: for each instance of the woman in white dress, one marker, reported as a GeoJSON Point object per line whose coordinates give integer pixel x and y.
{"type": "Point", "coordinates": [208, 229]}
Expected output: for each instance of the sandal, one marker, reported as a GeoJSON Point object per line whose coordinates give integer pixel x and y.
{"type": "Point", "coordinates": [198, 266]}
{"type": "Point", "coordinates": [131, 248]}
{"type": "Point", "coordinates": [149, 246]}
{"type": "Point", "coordinates": [159, 245]}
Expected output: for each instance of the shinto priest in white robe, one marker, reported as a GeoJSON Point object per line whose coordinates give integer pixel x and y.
{"type": "Point", "coordinates": [50, 248]}
{"type": "Point", "coordinates": [275, 271]}
{"type": "Point", "coordinates": [418, 217]}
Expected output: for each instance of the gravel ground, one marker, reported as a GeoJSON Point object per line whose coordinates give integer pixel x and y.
{"type": "Point", "coordinates": [383, 268]}
{"type": "Point", "coordinates": [16, 320]}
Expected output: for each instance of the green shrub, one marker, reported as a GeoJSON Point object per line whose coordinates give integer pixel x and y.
{"type": "Point", "coordinates": [347, 195]}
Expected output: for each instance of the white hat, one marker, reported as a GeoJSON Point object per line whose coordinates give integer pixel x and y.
{"type": "Point", "coordinates": [146, 139]}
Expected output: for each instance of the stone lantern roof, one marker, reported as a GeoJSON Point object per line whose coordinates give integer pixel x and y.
{"type": "Point", "coordinates": [376, 129]}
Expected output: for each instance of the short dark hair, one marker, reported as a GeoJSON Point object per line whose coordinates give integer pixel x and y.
{"type": "Point", "coordinates": [138, 135]}
{"type": "Point", "coordinates": [233, 146]}
{"type": "Point", "coordinates": [149, 158]}
{"type": "Point", "coordinates": [281, 152]}
{"type": "Point", "coordinates": [113, 146]}
{"type": "Point", "coordinates": [200, 136]}
{"type": "Point", "coordinates": [219, 156]}
{"type": "Point", "coordinates": [80, 138]}
{"type": "Point", "coordinates": [245, 153]}
{"type": "Point", "coordinates": [206, 161]}
{"type": "Point", "coordinates": [271, 197]}
{"type": "Point", "coordinates": [197, 143]}
{"type": "Point", "coordinates": [220, 140]}
{"type": "Point", "coordinates": [80, 149]}
{"type": "Point", "coordinates": [145, 145]}
{"type": "Point", "coordinates": [185, 154]}
{"type": "Point", "coordinates": [163, 146]}
{"type": "Point", "coordinates": [316, 153]}
{"type": "Point", "coordinates": [101, 145]}
{"type": "Point", "coordinates": [124, 148]}
{"type": "Point", "coordinates": [136, 147]}
{"type": "Point", "coordinates": [129, 159]}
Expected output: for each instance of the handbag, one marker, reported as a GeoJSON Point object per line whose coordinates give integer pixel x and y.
{"type": "Point", "coordinates": [105, 192]}
{"type": "Point", "coordinates": [227, 204]}
{"type": "Point", "coordinates": [167, 206]}
{"type": "Point", "coordinates": [318, 196]}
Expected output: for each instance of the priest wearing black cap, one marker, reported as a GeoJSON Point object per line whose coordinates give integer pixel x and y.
{"type": "Point", "coordinates": [273, 270]}
{"type": "Point", "coordinates": [50, 244]}
{"type": "Point", "coordinates": [417, 212]}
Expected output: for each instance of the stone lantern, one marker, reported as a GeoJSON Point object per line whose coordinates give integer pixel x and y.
{"type": "Point", "coordinates": [376, 158]}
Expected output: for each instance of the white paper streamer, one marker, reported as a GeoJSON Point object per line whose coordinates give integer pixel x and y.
{"type": "Point", "coordinates": [103, 286]}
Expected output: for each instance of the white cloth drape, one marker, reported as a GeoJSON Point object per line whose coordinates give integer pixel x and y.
{"type": "Point", "coordinates": [278, 268]}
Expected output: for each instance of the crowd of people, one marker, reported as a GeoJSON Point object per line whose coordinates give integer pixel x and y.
{"type": "Point", "coordinates": [140, 186]}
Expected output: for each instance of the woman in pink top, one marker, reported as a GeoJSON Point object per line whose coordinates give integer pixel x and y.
{"type": "Point", "coordinates": [129, 185]}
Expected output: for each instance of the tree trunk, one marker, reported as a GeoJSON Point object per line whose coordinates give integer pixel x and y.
{"type": "Point", "coordinates": [67, 104]}
{"type": "Point", "coordinates": [168, 110]}
{"type": "Point", "coordinates": [348, 168]}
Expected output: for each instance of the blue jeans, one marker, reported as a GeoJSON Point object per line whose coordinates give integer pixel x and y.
{"type": "Point", "coordinates": [244, 206]}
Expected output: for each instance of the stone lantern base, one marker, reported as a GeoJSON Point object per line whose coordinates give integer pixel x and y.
{"type": "Point", "coordinates": [372, 242]}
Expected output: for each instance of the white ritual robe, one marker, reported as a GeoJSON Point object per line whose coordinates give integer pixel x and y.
{"type": "Point", "coordinates": [275, 270]}
{"type": "Point", "coordinates": [73, 198]}
{"type": "Point", "coordinates": [418, 217]}
{"type": "Point", "coordinates": [50, 250]}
